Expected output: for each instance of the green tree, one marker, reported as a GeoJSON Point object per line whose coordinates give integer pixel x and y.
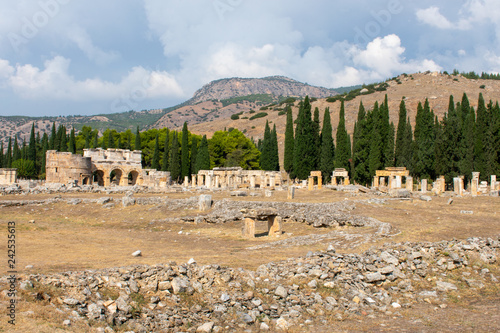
{"type": "Point", "coordinates": [175, 159]}
{"type": "Point", "coordinates": [230, 149]}
{"type": "Point", "coordinates": [194, 153]}
{"type": "Point", "coordinates": [137, 145]}
{"type": "Point", "coordinates": [289, 141]}
{"type": "Point", "coordinates": [155, 164]}
{"type": "Point", "coordinates": [166, 150]}
{"type": "Point", "coordinates": [16, 152]}
{"type": "Point", "coordinates": [2, 165]}
{"type": "Point", "coordinates": [361, 148]}
{"type": "Point", "coordinates": [480, 130]}
{"type": "Point", "coordinates": [32, 145]}
{"type": "Point", "coordinates": [185, 161]}
{"type": "Point", "coordinates": [45, 147]}
{"type": "Point", "coordinates": [402, 158]}
{"type": "Point", "coordinates": [275, 160]}
{"type": "Point", "coordinates": [203, 157]}
{"type": "Point", "coordinates": [327, 147]}
{"type": "Point", "coordinates": [54, 142]}
{"type": "Point", "coordinates": [72, 141]}
{"type": "Point", "coordinates": [317, 138]}
{"type": "Point", "coordinates": [266, 151]}
{"type": "Point", "coordinates": [343, 149]}
{"type": "Point", "coordinates": [423, 152]}
{"type": "Point", "coordinates": [304, 149]}
{"type": "Point", "coordinates": [8, 157]}
{"type": "Point", "coordinates": [25, 168]}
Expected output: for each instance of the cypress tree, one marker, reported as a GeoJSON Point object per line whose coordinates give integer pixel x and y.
{"type": "Point", "coordinates": [343, 149]}
{"type": "Point", "coordinates": [480, 130]}
{"type": "Point", "coordinates": [155, 163]}
{"type": "Point", "coordinates": [389, 148]}
{"type": "Point", "coordinates": [185, 161]}
{"type": "Point", "coordinates": [492, 140]}
{"type": "Point", "coordinates": [166, 149]}
{"type": "Point", "coordinates": [361, 148]}
{"type": "Point", "coordinates": [111, 139]}
{"type": "Point", "coordinates": [275, 161]}
{"type": "Point", "coordinates": [304, 149]}
{"type": "Point", "coordinates": [317, 138]}
{"type": "Point", "coordinates": [8, 162]}
{"type": "Point", "coordinates": [138, 140]}
{"type": "Point", "coordinates": [423, 158]}
{"type": "Point", "coordinates": [87, 140]}
{"type": "Point", "coordinates": [72, 141]}
{"type": "Point", "coordinates": [175, 160]}
{"type": "Point", "coordinates": [466, 163]}
{"type": "Point", "coordinates": [96, 140]}
{"type": "Point", "coordinates": [386, 135]}
{"type": "Point", "coordinates": [194, 153]}
{"type": "Point", "coordinates": [289, 141]}
{"type": "Point", "coordinates": [45, 147]}
{"type": "Point", "coordinates": [53, 138]}
{"type": "Point", "coordinates": [401, 144]}
{"type": "Point", "coordinates": [32, 145]}
{"type": "Point", "coordinates": [16, 152]}
{"type": "Point", "coordinates": [203, 157]}
{"type": "Point", "coordinates": [1, 156]}
{"type": "Point", "coordinates": [265, 157]}
{"type": "Point", "coordinates": [327, 147]}
{"type": "Point", "coordinates": [63, 139]}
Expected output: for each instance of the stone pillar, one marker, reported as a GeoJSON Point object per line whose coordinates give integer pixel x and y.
{"type": "Point", "coordinates": [217, 181]}
{"type": "Point", "coordinates": [409, 183]}
{"type": "Point", "coordinates": [493, 183]}
{"type": "Point", "coordinates": [458, 185]}
{"type": "Point", "coordinates": [346, 181]}
{"type": "Point", "coordinates": [208, 181]}
{"type": "Point", "coordinates": [204, 202]}
{"type": "Point", "coordinates": [107, 180]}
{"type": "Point", "coordinates": [200, 180]}
{"type": "Point", "coordinates": [334, 180]}
{"type": "Point", "coordinates": [274, 226]}
{"type": "Point", "coordinates": [252, 181]}
{"type": "Point", "coordinates": [392, 183]}
{"type": "Point", "coordinates": [382, 181]}
{"type": "Point", "coordinates": [291, 192]}
{"type": "Point", "coordinates": [375, 181]}
{"type": "Point", "coordinates": [193, 180]}
{"type": "Point", "coordinates": [272, 181]}
{"type": "Point", "coordinates": [320, 183]}
{"type": "Point", "coordinates": [186, 181]}
{"type": "Point", "coordinates": [248, 228]}
{"type": "Point", "coordinates": [423, 186]}
{"type": "Point", "coordinates": [442, 184]}
{"type": "Point", "coordinates": [310, 183]}
{"type": "Point", "coordinates": [474, 186]}
{"type": "Point", "coordinates": [263, 182]}
{"type": "Point", "coordinates": [398, 182]}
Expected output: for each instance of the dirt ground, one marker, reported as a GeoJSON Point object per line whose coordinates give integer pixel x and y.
{"type": "Point", "coordinates": [60, 237]}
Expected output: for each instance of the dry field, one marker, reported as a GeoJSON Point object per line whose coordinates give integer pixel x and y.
{"type": "Point", "coordinates": [87, 236]}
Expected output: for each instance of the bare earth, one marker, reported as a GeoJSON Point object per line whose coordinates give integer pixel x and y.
{"type": "Point", "coordinates": [87, 236]}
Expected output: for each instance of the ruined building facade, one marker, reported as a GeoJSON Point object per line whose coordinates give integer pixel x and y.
{"type": "Point", "coordinates": [102, 167]}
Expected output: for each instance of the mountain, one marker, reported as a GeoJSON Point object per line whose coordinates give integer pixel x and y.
{"type": "Point", "coordinates": [220, 98]}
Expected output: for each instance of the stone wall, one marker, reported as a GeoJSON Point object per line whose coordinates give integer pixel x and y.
{"type": "Point", "coordinates": [8, 176]}
{"type": "Point", "coordinates": [62, 167]}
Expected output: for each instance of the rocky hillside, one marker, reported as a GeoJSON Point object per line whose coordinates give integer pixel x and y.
{"type": "Point", "coordinates": [271, 85]}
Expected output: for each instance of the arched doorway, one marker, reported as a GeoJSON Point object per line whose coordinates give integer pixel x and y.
{"type": "Point", "coordinates": [98, 177]}
{"type": "Point", "coordinates": [132, 177]}
{"type": "Point", "coordinates": [115, 177]}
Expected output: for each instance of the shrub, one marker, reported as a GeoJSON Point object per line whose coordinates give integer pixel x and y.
{"type": "Point", "coordinates": [281, 113]}
{"type": "Point", "coordinates": [258, 115]}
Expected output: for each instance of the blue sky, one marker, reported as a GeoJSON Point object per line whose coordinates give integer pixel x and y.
{"type": "Point", "coordinates": [69, 57]}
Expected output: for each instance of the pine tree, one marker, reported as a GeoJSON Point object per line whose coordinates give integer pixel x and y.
{"type": "Point", "coordinates": [137, 145]}
{"type": "Point", "coordinates": [203, 157]}
{"type": "Point", "coordinates": [389, 148]}
{"type": "Point", "coordinates": [1, 156]}
{"type": "Point", "coordinates": [288, 155]}
{"type": "Point", "coordinates": [45, 147]}
{"type": "Point", "coordinates": [423, 158]}
{"type": "Point", "coordinates": [166, 149]}
{"type": "Point", "coordinates": [32, 145]}
{"type": "Point", "coordinates": [265, 157]}
{"type": "Point", "coordinates": [327, 147]}
{"type": "Point", "coordinates": [194, 153]}
{"type": "Point", "coordinates": [111, 139]}
{"type": "Point", "coordinates": [72, 141]}
{"type": "Point", "coordinates": [274, 157]}
{"type": "Point", "coordinates": [175, 160]}
{"type": "Point", "coordinates": [343, 148]}
{"type": "Point", "coordinates": [185, 161]}
{"type": "Point", "coordinates": [87, 140]}
{"type": "Point", "coordinates": [155, 163]}
{"type": "Point", "coordinates": [304, 149]}
{"type": "Point", "coordinates": [53, 138]}
{"type": "Point", "coordinates": [96, 141]}
{"type": "Point", "coordinates": [16, 152]}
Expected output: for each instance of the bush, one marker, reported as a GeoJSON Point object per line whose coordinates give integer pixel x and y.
{"type": "Point", "coordinates": [482, 86]}
{"type": "Point", "coordinates": [281, 113]}
{"type": "Point", "coordinates": [258, 115]}
{"type": "Point", "coordinates": [251, 111]}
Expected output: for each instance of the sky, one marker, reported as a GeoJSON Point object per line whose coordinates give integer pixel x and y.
{"type": "Point", "coordinates": [69, 57]}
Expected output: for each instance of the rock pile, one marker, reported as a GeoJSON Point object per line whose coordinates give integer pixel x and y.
{"type": "Point", "coordinates": [289, 293]}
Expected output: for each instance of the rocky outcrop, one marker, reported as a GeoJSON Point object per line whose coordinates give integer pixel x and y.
{"type": "Point", "coordinates": [288, 293]}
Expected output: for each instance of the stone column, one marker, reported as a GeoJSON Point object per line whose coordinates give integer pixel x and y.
{"type": "Point", "coordinates": [200, 180]}
{"type": "Point", "coordinates": [382, 181]}
{"type": "Point", "coordinates": [334, 180]}
{"type": "Point", "coordinates": [409, 183]}
{"type": "Point", "coordinates": [310, 183]}
{"type": "Point", "coordinates": [107, 180]}
{"type": "Point", "coordinates": [493, 183]}
{"type": "Point", "coordinates": [375, 181]}
{"type": "Point", "coordinates": [248, 228]}
{"type": "Point", "coordinates": [252, 181]}
{"type": "Point", "coordinates": [320, 183]}
{"type": "Point", "coordinates": [423, 186]}
{"type": "Point", "coordinates": [291, 192]}
{"type": "Point", "coordinates": [274, 225]}
{"type": "Point", "coordinates": [193, 180]}
{"type": "Point", "coordinates": [346, 181]}
{"type": "Point", "coordinates": [391, 183]}
{"type": "Point", "coordinates": [217, 181]}
{"type": "Point", "coordinates": [208, 181]}
{"type": "Point", "coordinates": [272, 181]}
{"type": "Point", "coordinates": [186, 181]}
{"type": "Point", "coordinates": [398, 182]}
{"type": "Point", "coordinates": [442, 184]}
{"type": "Point", "coordinates": [474, 186]}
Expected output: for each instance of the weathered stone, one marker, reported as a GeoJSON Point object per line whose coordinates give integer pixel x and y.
{"type": "Point", "coordinates": [374, 277]}
{"type": "Point", "coordinates": [205, 202]}
{"type": "Point", "coordinates": [128, 201]}
{"type": "Point", "coordinates": [206, 328]}
{"type": "Point", "coordinates": [137, 253]}
{"type": "Point", "coordinates": [281, 292]}
{"type": "Point", "coordinates": [180, 285]}
{"type": "Point", "coordinates": [71, 301]}
{"type": "Point", "coordinates": [445, 286]}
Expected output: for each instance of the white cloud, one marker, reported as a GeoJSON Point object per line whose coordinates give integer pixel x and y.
{"type": "Point", "coordinates": [54, 82]}
{"type": "Point", "coordinates": [82, 39]}
{"type": "Point", "coordinates": [433, 17]}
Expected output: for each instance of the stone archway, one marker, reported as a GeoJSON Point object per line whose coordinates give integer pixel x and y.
{"type": "Point", "coordinates": [98, 177]}
{"type": "Point", "coordinates": [115, 176]}
{"type": "Point", "coordinates": [132, 177]}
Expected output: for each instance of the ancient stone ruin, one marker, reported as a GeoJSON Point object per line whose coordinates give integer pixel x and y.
{"type": "Point", "coordinates": [8, 176]}
{"type": "Point", "coordinates": [236, 177]}
{"type": "Point", "coordinates": [119, 167]}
